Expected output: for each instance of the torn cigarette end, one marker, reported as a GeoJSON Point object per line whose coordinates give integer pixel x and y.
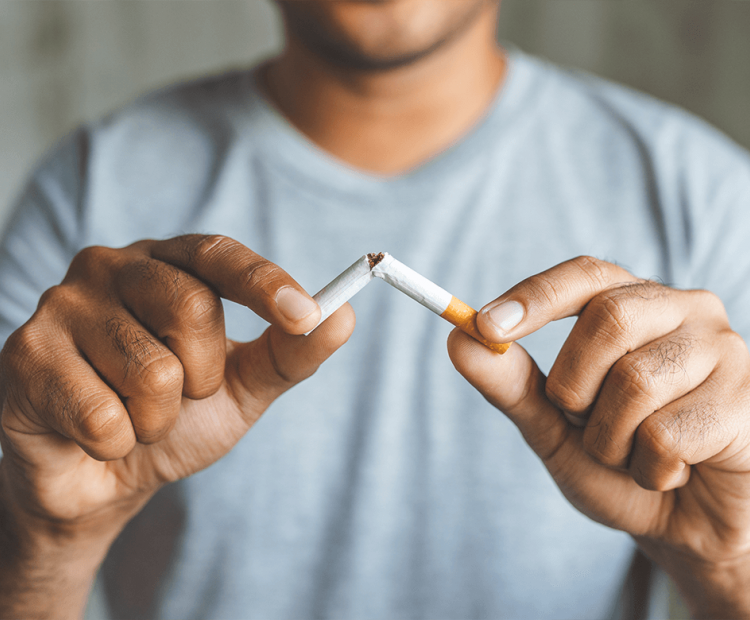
{"type": "Point", "coordinates": [465, 318]}
{"type": "Point", "coordinates": [383, 266]}
{"type": "Point", "coordinates": [374, 258]}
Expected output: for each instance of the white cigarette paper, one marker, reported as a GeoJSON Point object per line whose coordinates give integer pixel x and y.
{"type": "Point", "coordinates": [342, 288]}
{"type": "Point", "coordinates": [416, 286]}
{"type": "Point", "coordinates": [334, 295]}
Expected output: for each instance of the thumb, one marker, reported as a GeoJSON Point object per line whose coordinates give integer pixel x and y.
{"type": "Point", "coordinates": [513, 383]}
{"type": "Point", "coordinates": [258, 372]}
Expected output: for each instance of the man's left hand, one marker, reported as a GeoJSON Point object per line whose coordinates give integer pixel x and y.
{"type": "Point", "coordinates": [644, 420]}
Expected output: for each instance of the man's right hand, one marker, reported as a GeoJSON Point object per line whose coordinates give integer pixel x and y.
{"type": "Point", "coordinates": [124, 380]}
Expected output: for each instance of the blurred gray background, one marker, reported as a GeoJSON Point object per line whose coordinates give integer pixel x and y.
{"type": "Point", "coordinates": [63, 62]}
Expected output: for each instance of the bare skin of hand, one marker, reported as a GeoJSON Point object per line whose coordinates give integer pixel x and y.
{"type": "Point", "coordinates": [124, 379]}
{"type": "Point", "coordinates": [644, 420]}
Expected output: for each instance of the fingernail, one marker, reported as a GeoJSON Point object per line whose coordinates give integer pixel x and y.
{"type": "Point", "coordinates": [505, 316]}
{"type": "Point", "coordinates": [294, 305]}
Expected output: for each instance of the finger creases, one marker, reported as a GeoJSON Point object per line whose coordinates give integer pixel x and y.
{"type": "Point", "coordinates": [145, 374]}
{"type": "Point", "coordinates": [258, 372]}
{"type": "Point", "coordinates": [612, 325]}
{"type": "Point", "coordinates": [66, 395]}
{"type": "Point", "coordinates": [641, 383]}
{"type": "Point", "coordinates": [182, 312]}
{"type": "Point", "coordinates": [240, 275]}
{"type": "Point", "coordinates": [514, 384]}
{"type": "Point", "coordinates": [705, 426]}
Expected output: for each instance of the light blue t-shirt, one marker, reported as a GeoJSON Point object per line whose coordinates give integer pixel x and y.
{"type": "Point", "coordinates": [385, 487]}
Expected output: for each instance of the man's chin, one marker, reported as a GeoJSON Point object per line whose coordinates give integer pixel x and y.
{"type": "Point", "coordinates": [365, 60]}
{"type": "Point", "coordinates": [378, 35]}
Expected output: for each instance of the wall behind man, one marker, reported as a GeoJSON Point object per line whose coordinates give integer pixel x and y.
{"type": "Point", "coordinates": [691, 52]}
{"type": "Point", "coordinates": [63, 62]}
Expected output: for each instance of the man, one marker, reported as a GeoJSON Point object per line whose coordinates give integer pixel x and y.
{"type": "Point", "coordinates": [385, 486]}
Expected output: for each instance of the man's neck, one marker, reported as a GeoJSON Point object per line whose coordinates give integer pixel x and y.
{"type": "Point", "coordinates": [390, 121]}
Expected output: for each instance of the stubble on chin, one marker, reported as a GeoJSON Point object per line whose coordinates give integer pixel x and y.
{"type": "Point", "coordinates": [395, 43]}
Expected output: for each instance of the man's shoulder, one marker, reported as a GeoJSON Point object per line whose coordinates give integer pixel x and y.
{"type": "Point", "coordinates": [610, 128]}
{"type": "Point", "coordinates": [226, 88]}
{"type": "Point", "coordinates": [167, 143]}
{"type": "Point", "coordinates": [202, 109]}
{"type": "Point", "coordinates": [583, 99]}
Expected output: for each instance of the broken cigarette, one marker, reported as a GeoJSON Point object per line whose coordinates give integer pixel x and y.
{"type": "Point", "coordinates": [382, 265]}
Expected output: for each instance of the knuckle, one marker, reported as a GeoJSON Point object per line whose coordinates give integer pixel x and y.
{"type": "Point", "coordinates": [712, 303]}
{"type": "Point", "coordinates": [104, 431]}
{"type": "Point", "coordinates": [136, 346]}
{"type": "Point", "coordinates": [162, 375]}
{"type": "Point", "coordinates": [648, 477]}
{"type": "Point", "coordinates": [146, 270]}
{"type": "Point", "coordinates": [199, 306]}
{"type": "Point", "coordinates": [25, 342]}
{"type": "Point", "coordinates": [206, 384]}
{"type": "Point", "coordinates": [57, 298]}
{"type": "Point", "coordinates": [600, 444]}
{"type": "Point", "coordinates": [565, 394]}
{"type": "Point", "coordinates": [593, 268]}
{"type": "Point", "coordinates": [259, 274]}
{"type": "Point", "coordinates": [612, 316]}
{"type": "Point", "coordinates": [152, 428]}
{"type": "Point", "coordinates": [90, 259]}
{"type": "Point", "coordinates": [24, 350]}
{"type": "Point", "coordinates": [657, 440]}
{"type": "Point", "coordinates": [209, 246]}
{"type": "Point", "coordinates": [62, 398]}
{"type": "Point", "coordinates": [734, 344]}
{"type": "Point", "coordinates": [116, 448]}
{"type": "Point", "coordinates": [545, 291]}
{"type": "Point", "coordinates": [100, 424]}
{"type": "Point", "coordinates": [669, 357]}
{"type": "Point", "coordinates": [632, 378]}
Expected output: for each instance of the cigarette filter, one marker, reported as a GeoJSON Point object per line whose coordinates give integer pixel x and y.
{"type": "Point", "coordinates": [434, 298]}
{"type": "Point", "coordinates": [382, 265]}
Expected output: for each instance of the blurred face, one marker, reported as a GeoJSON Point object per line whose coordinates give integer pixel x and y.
{"type": "Point", "coordinates": [380, 34]}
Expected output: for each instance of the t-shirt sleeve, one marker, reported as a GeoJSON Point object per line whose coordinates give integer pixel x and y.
{"type": "Point", "coordinates": [43, 233]}
{"type": "Point", "coordinates": [719, 232]}
{"type": "Point", "coordinates": [723, 259]}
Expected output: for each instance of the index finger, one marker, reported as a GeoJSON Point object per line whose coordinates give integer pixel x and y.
{"type": "Point", "coordinates": [558, 293]}
{"type": "Point", "coordinates": [238, 274]}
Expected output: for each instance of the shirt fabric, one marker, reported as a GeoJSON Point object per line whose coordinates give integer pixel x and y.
{"type": "Point", "coordinates": [385, 487]}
